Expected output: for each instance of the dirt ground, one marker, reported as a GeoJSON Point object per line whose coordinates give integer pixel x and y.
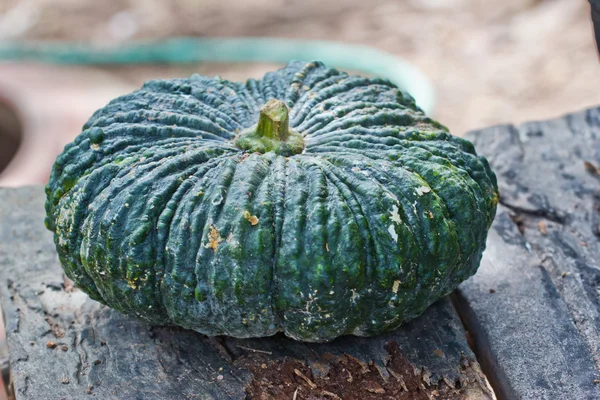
{"type": "Point", "coordinates": [490, 62]}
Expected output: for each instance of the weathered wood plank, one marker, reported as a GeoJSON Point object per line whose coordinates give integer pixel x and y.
{"type": "Point", "coordinates": [102, 352]}
{"type": "Point", "coordinates": [538, 335]}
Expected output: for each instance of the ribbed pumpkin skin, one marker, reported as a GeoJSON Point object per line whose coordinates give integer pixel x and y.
{"type": "Point", "coordinates": [383, 213]}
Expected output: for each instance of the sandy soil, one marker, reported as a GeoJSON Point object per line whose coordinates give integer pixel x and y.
{"type": "Point", "coordinates": [491, 62]}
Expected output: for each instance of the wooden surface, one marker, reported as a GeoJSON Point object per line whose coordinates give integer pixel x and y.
{"type": "Point", "coordinates": [532, 310]}
{"type": "Point", "coordinates": [538, 334]}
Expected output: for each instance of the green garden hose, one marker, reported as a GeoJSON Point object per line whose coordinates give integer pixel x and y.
{"type": "Point", "coordinates": [233, 50]}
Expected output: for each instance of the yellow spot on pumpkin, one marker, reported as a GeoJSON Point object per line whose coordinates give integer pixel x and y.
{"type": "Point", "coordinates": [253, 219]}
{"type": "Point", "coordinates": [131, 283]}
{"type": "Point", "coordinates": [396, 286]}
{"type": "Point", "coordinates": [327, 247]}
{"type": "Point", "coordinates": [214, 238]}
{"type": "Point", "coordinates": [495, 199]}
{"type": "Point", "coordinates": [94, 146]}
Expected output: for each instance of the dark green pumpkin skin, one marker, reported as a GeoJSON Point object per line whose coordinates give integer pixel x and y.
{"type": "Point", "coordinates": [159, 215]}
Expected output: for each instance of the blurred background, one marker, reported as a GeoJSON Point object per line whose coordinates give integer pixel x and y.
{"type": "Point", "coordinates": [488, 62]}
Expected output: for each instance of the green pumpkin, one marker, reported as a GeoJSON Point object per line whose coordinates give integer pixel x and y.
{"type": "Point", "coordinates": [309, 202]}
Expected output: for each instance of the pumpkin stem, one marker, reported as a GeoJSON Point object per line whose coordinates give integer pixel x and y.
{"type": "Point", "coordinates": [272, 133]}
{"type": "Point", "coordinates": [273, 121]}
